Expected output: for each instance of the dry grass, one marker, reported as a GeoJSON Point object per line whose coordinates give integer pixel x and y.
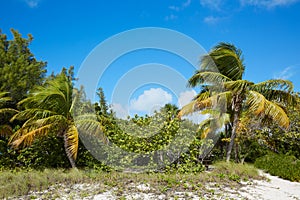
{"type": "Point", "coordinates": [18, 183]}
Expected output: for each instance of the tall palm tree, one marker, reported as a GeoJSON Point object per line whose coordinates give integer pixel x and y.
{"type": "Point", "coordinates": [222, 72]}
{"type": "Point", "coordinates": [48, 109]}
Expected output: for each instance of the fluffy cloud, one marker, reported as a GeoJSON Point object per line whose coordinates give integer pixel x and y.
{"type": "Point", "coordinates": [32, 3]}
{"type": "Point", "coordinates": [170, 17]}
{"type": "Point", "coordinates": [186, 97]}
{"type": "Point", "coordinates": [211, 20]}
{"type": "Point", "coordinates": [152, 98]}
{"type": "Point", "coordinates": [268, 3]}
{"type": "Point", "coordinates": [184, 5]}
{"type": "Point", "coordinates": [212, 4]}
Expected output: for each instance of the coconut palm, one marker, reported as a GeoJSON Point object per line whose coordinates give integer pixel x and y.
{"type": "Point", "coordinates": [222, 72]}
{"type": "Point", "coordinates": [48, 109]}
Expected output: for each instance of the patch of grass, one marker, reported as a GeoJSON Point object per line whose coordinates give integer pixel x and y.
{"type": "Point", "coordinates": [18, 183]}
{"type": "Point", "coordinates": [236, 171]}
{"type": "Point", "coordinates": [15, 183]}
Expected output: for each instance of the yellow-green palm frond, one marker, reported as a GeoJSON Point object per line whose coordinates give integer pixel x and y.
{"type": "Point", "coordinates": [88, 124]}
{"type": "Point", "coordinates": [202, 95]}
{"type": "Point", "coordinates": [8, 111]}
{"type": "Point", "coordinates": [256, 102]}
{"type": "Point", "coordinates": [274, 84]}
{"type": "Point", "coordinates": [205, 128]}
{"type": "Point", "coordinates": [276, 90]}
{"type": "Point", "coordinates": [204, 104]}
{"type": "Point", "coordinates": [34, 113]}
{"type": "Point", "coordinates": [218, 101]}
{"type": "Point", "coordinates": [25, 136]}
{"type": "Point", "coordinates": [205, 132]}
{"type": "Point", "coordinates": [227, 59]}
{"type": "Point", "coordinates": [54, 95]}
{"type": "Point", "coordinates": [207, 77]}
{"type": "Point", "coordinates": [54, 119]}
{"type": "Point", "coordinates": [259, 105]}
{"type": "Point", "coordinates": [71, 138]}
{"type": "Point", "coordinates": [277, 114]}
{"type": "Point", "coordinates": [238, 86]}
{"type": "Point", "coordinates": [4, 98]}
{"type": "Point", "coordinates": [214, 123]}
{"type": "Point", "coordinates": [187, 109]}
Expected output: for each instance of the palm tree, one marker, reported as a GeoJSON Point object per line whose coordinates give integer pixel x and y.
{"type": "Point", "coordinates": [48, 109]}
{"type": "Point", "coordinates": [222, 72]}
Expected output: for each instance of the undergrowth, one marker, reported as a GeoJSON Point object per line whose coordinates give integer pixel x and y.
{"type": "Point", "coordinates": [283, 166]}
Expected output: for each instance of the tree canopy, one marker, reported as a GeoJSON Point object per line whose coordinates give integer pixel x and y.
{"type": "Point", "coordinates": [19, 69]}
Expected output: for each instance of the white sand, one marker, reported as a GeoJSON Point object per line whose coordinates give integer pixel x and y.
{"type": "Point", "coordinates": [276, 188]}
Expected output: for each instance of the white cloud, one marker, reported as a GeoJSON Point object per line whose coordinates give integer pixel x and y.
{"type": "Point", "coordinates": [152, 98]}
{"type": "Point", "coordinates": [211, 20]}
{"type": "Point", "coordinates": [285, 73]}
{"type": "Point", "coordinates": [170, 17]}
{"type": "Point", "coordinates": [268, 3]}
{"type": "Point", "coordinates": [186, 97]}
{"type": "Point", "coordinates": [184, 5]}
{"type": "Point", "coordinates": [176, 8]}
{"type": "Point", "coordinates": [121, 112]}
{"type": "Point", "coordinates": [212, 4]}
{"type": "Point", "coordinates": [32, 3]}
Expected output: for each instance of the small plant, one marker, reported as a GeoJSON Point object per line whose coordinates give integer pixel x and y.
{"type": "Point", "coordinates": [234, 177]}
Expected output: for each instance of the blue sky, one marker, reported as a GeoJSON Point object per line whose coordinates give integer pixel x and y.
{"type": "Point", "coordinates": [66, 31]}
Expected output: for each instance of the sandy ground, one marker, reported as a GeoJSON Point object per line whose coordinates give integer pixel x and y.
{"type": "Point", "coordinates": [274, 189]}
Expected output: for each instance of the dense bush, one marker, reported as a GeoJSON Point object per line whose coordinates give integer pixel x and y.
{"type": "Point", "coordinates": [45, 152]}
{"type": "Point", "coordinates": [284, 166]}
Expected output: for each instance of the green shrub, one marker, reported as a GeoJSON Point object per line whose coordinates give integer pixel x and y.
{"type": "Point", "coordinates": [284, 166]}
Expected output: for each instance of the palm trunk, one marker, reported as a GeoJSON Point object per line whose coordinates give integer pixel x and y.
{"type": "Point", "coordinates": [236, 107]}
{"type": "Point", "coordinates": [236, 152]}
{"type": "Point", "coordinates": [71, 159]}
{"type": "Point", "coordinates": [233, 134]}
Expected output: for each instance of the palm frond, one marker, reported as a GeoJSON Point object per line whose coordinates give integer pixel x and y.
{"type": "Point", "coordinates": [8, 111]}
{"type": "Point", "coordinates": [202, 95]}
{"type": "Point", "coordinates": [238, 86]}
{"type": "Point", "coordinates": [218, 101]}
{"type": "Point", "coordinates": [54, 95]}
{"type": "Point", "coordinates": [277, 114]}
{"type": "Point", "coordinates": [207, 77]}
{"type": "Point", "coordinates": [34, 113]}
{"type": "Point", "coordinates": [259, 105]}
{"type": "Point", "coordinates": [187, 109]}
{"type": "Point", "coordinates": [273, 84]}
{"type": "Point", "coordinates": [54, 119]}
{"type": "Point", "coordinates": [256, 102]}
{"type": "Point", "coordinates": [4, 98]}
{"type": "Point", "coordinates": [71, 141]}
{"type": "Point", "coordinates": [26, 136]}
{"type": "Point", "coordinates": [227, 59]}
